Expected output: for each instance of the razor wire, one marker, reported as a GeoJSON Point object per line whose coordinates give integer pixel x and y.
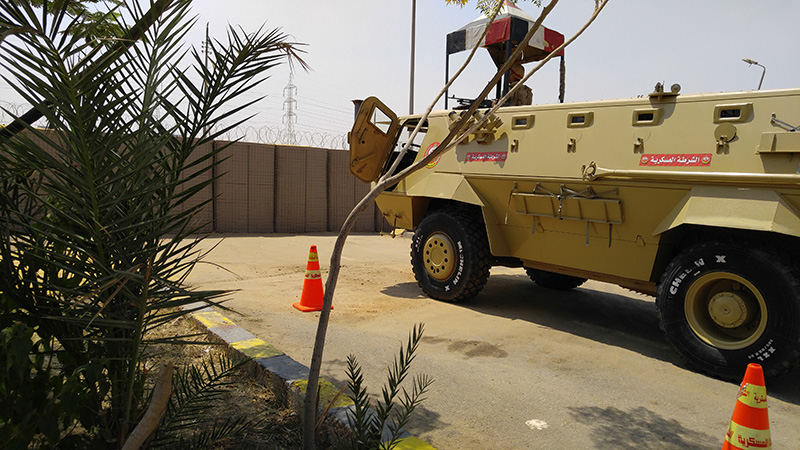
{"type": "Point", "coordinates": [257, 134]}
{"type": "Point", "coordinates": [279, 136]}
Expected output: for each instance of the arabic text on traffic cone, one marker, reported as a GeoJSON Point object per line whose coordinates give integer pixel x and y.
{"type": "Point", "coordinates": [749, 426]}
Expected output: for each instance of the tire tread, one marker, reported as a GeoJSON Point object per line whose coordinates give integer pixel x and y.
{"type": "Point", "coordinates": [476, 234]}
{"type": "Point", "coordinates": [787, 270]}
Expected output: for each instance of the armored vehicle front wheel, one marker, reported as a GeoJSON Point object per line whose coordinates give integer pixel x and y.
{"type": "Point", "coordinates": [450, 254]}
{"type": "Point", "coordinates": [725, 305]}
{"type": "Point", "coordinates": [552, 280]}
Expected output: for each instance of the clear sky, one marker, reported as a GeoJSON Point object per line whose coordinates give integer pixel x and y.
{"type": "Point", "coordinates": [361, 48]}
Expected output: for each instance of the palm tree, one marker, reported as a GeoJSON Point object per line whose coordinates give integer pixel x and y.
{"type": "Point", "coordinates": [97, 211]}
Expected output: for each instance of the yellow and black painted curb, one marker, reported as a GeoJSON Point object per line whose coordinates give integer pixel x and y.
{"type": "Point", "coordinates": [288, 377]}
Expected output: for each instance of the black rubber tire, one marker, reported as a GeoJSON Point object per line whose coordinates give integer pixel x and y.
{"type": "Point", "coordinates": [552, 280]}
{"type": "Point", "coordinates": [466, 230]}
{"type": "Point", "coordinates": [777, 349]}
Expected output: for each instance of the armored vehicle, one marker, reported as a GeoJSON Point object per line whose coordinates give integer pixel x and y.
{"type": "Point", "coordinates": [694, 199]}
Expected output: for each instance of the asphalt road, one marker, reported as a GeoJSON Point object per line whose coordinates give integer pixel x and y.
{"type": "Point", "coordinates": [519, 366]}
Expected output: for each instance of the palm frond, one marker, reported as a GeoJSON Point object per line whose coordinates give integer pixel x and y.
{"type": "Point", "coordinates": [216, 432]}
{"type": "Point", "coordinates": [194, 388]}
{"type": "Point", "coordinates": [97, 211]}
{"type": "Point", "coordinates": [367, 423]}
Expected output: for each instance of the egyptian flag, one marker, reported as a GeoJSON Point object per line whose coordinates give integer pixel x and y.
{"type": "Point", "coordinates": [511, 23]}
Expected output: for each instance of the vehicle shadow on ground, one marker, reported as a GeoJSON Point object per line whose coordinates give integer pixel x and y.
{"type": "Point", "coordinates": [422, 420]}
{"type": "Point", "coordinates": [612, 319]}
{"type": "Point", "coordinates": [404, 290]}
{"type": "Point", "coordinates": [785, 387]}
{"type": "Point", "coordinates": [638, 428]}
{"type": "Point", "coordinates": [609, 318]}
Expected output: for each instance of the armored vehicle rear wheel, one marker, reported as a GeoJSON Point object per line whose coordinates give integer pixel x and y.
{"type": "Point", "coordinates": [725, 305]}
{"type": "Point", "coordinates": [554, 280]}
{"type": "Point", "coordinates": [450, 255]}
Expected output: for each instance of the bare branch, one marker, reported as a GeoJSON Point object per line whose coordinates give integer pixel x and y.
{"type": "Point", "coordinates": [309, 408]}
{"type": "Point", "coordinates": [442, 92]}
{"type": "Point", "coordinates": [519, 84]}
{"type": "Point", "coordinates": [389, 179]}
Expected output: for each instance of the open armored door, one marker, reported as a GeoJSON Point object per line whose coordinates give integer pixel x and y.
{"type": "Point", "coordinates": [372, 138]}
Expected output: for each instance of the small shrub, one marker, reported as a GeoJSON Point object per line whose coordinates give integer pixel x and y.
{"type": "Point", "coordinates": [395, 406]}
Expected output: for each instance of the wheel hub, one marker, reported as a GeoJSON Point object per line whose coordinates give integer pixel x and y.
{"type": "Point", "coordinates": [439, 256]}
{"type": "Point", "coordinates": [728, 309]}
{"type": "Point", "coordinates": [725, 310]}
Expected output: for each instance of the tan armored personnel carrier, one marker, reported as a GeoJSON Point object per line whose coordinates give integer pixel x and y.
{"type": "Point", "coordinates": [692, 198]}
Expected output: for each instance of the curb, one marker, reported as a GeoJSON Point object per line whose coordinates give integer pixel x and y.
{"type": "Point", "coordinates": [287, 377]}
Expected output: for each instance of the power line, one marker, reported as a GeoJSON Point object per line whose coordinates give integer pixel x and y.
{"type": "Point", "coordinates": [328, 119]}
{"type": "Point", "coordinates": [326, 105]}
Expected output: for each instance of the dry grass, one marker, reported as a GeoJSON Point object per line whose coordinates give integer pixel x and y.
{"type": "Point", "coordinates": [279, 426]}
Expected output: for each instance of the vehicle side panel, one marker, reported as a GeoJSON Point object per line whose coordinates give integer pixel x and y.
{"type": "Point", "coordinates": [526, 169]}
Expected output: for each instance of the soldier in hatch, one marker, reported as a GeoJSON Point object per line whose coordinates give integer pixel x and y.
{"type": "Point", "coordinates": [523, 95]}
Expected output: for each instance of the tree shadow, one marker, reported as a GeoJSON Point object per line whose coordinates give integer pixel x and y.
{"type": "Point", "coordinates": [639, 428]}
{"type": "Point", "coordinates": [425, 420]}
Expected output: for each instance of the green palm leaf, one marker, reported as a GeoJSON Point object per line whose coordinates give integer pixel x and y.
{"type": "Point", "coordinates": [97, 211]}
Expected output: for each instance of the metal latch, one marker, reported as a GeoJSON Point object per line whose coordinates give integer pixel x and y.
{"type": "Point", "coordinates": [775, 121]}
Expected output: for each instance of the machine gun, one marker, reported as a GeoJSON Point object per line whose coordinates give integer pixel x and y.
{"type": "Point", "coordinates": [465, 103]}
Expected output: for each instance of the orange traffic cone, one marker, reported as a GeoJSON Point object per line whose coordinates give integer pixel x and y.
{"type": "Point", "coordinates": [311, 298]}
{"type": "Point", "coordinates": [749, 426]}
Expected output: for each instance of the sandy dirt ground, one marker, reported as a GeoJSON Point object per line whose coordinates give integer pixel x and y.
{"type": "Point", "coordinates": [519, 366]}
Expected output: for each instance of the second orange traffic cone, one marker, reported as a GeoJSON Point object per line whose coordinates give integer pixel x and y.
{"type": "Point", "coordinates": [311, 298]}
{"type": "Point", "coordinates": [749, 426]}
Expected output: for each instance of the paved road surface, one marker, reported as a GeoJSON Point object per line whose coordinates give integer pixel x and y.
{"type": "Point", "coordinates": [517, 367]}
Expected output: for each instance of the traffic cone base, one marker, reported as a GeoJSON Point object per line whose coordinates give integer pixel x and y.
{"type": "Point", "coordinates": [311, 297]}
{"type": "Point", "coordinates": [749, 427]}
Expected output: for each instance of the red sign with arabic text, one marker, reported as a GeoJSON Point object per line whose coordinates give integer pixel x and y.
{"type": "Point", "coordinates": [486, 156]}
{"type": "Point", "coordinates": [676, 160]}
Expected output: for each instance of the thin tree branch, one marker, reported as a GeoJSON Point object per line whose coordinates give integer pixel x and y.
{"type": "Point", "coordinates": [309, 411]}
{"type": "Point", "coordinates": [465, 117]}
{"type": "Point", "coordinates": [519, 84]}
{"type": "Point", "coordinates": [388, 180]}
{"type": "Point", "coordinates": [452, 79]}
